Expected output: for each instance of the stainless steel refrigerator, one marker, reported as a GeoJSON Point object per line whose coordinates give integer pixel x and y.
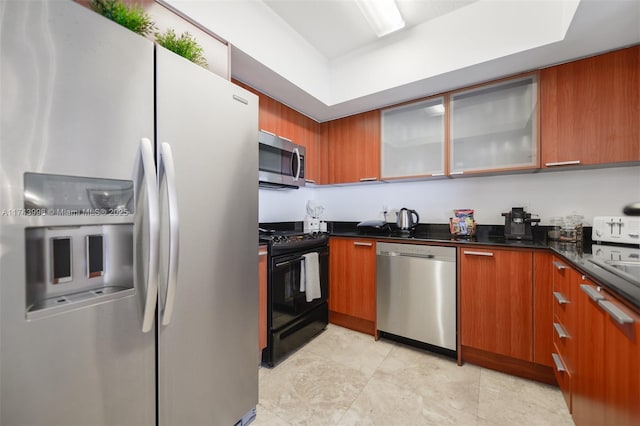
{"type": "Point", "coordinates": [128, 228]}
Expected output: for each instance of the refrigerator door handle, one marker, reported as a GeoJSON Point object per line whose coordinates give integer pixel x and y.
{"type": "Point", "coordinates": [166, 172]}
{"type": "Point", "coordinates": [145, 174]}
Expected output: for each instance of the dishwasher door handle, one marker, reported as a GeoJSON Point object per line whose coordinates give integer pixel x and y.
{"type": "Point", "coordinates": [415, 255]}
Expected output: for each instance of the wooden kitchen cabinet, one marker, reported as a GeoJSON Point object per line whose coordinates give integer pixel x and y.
{"type": "Point", "coordinates": [496, 301]}
{"type": "Point", "coordinates": [565, 281]}
{"type": "Point", "coordinates": [622, 367]}
{"type": "Point", "coordinates": [277, 118]}
{"type": "Point", "coordinates": [413, 140]}
{"type": "Point", "coordinates": [607, 377]}
{"type": "Point", "coordinates": [494, 127]}
{"type": "Point", "coordinates": [597, 339]}
{"type": "Point", "coordinates": [542, 308]}
{"type": "Point", "coordinates": [353, 145]}
{"type": "Point", "coordinates": [588, 391]}
{"type": "Point", "coordinates": [262, 297]}
{"type": "Point", "coordinates": [590, 110]}
{"type": "Point", "coordinates": [352, 283]}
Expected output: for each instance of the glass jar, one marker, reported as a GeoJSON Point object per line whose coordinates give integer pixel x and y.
{"type": "Point", "coordinates": [572, 228]}
{"type": "Point", "coordinates": [555, 228]}
{"type": "Point", "coordinates": [568, 233]}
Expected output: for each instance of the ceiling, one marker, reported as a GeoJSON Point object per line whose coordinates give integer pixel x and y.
{"type": "Point", "coordinates": [338, 27]}
{"type": "Point", "coordinates": [321, 58]}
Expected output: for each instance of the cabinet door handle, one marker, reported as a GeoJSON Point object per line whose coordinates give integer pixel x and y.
{"type": "Point", "coordinates": [563, 163]}
{"type": "Point", "coordinates": [456, 173]}
{"type": "Point", "coordinates": [558, 362]}
{"type": "Point", "coordinates": [368, 179]}
{"type": "Point", "coordinates": [591, 292]}
{"type": "Point", "coordinates": [560, 298]}
{"type": "Point", "coordinates": [437, 174]}
{"type": "Point", "coordinates": [615, 312]}
{"type": "Point", "coordinates": [310, 180]}
{"type": "Point", "coordinates": [562, 333]}
{"type": "Point", "coordinates": [478, 253]}
{"type": "Point", "coordinates": [358, 243]}
{"type": "Point", "coordinates": [262, 253]}
{"type": "Point", "coordinates": [559, 266]}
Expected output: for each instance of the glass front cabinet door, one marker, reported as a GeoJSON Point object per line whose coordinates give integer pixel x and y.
{"type": "Point", "coordinates": [494, 127]}
{"type": "Point", "coordinates": [413, 140]}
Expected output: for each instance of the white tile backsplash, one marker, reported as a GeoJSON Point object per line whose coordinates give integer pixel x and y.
{"type": "Point", "coordinates": [590, 193]}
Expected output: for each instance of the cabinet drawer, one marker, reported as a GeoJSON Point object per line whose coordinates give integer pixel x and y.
{"type": "Point", "coordinates": [563, 376]}
{"type": "Point", "coordinates": [563, 342]}
{"type": "Point", "coordinates": [563, 307]}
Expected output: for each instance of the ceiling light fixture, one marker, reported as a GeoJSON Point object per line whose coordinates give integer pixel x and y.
{"type": "Point", "coordinates": [383, 15]}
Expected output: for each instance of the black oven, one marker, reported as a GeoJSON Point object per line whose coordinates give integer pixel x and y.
{"type": "Point", "coordinates": [292, 320]}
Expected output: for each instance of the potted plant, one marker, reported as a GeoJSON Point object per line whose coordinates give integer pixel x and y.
{"type": "Point", "coordinates": [131, 17]}
{"type": "Point", "coordinates": [184, 45]}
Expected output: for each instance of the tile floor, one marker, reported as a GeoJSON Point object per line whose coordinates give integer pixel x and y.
{"type": "Point", "coordinates": [346, 378]}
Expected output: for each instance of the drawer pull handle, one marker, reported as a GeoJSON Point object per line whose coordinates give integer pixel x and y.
{"type": "Point", "coordinates": [368, 179]}
{"type": "Point", "coordinates": [560, 298]}
{"type": "Point", "coordinates": [262, 253]}
{"type": "Point", "coordinates": [358, 243]}
{"type": "Point", "coordinates": [562, 163]}
{"type": "Point", "coordinates": [591, 292]}
{"type": "Point", "coordinates": [456, 173]}
{"type": "Point", "coordinates": [437, 174]}
{"type": "Point", "coordinates": [478, 253]}
{"type": "Point", "coordinates": [559, 266]}
{"type": "Point", "coordinates": [560, 330]}
{"type": "Point", "coordinates": [615, 312]}
{"type": "Point", "coordinates": [558, 362]}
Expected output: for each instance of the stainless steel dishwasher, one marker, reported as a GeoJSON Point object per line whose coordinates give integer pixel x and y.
{"type": "Point", "coordinates": [416, 293]}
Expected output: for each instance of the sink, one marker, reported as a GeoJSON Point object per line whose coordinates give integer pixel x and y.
{"type": "Point", "coordinates": [627, 269]}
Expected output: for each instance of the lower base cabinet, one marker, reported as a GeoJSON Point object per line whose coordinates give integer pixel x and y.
{"type": "Point", "coordinates": [506, 310]}
{"type": "Point", "coordinates": [496, 294]}
{"type": "Point", "coordinates": [352, 283]}
{"type": "Point", "coordinates": [604, 372]}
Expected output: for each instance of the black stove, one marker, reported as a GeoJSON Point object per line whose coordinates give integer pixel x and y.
{"type": "Point", "coordinates": [285, 241]}
{"type": "Point", "coordinates": [293, 316]}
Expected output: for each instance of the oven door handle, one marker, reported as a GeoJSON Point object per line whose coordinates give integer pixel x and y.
{"type": "Point", "coordinates": [287, 262]}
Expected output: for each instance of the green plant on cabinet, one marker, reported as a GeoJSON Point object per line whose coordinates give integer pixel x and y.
{"type": "Point", "coordinates": [185, 46]}
{"type": "Point", "coordinates": [131, 17]}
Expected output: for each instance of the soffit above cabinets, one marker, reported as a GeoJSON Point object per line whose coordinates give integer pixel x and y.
{"type": "Point", "coordinates": [321, 58]}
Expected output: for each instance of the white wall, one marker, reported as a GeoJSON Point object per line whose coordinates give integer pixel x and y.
{"type": "Point", "coordinates": [587, 192]}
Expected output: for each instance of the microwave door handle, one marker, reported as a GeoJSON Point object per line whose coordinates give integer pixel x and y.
{"type": "Point", "coordinates": [145, 174]}
{"type": "Point", "coordinates": [167, 172]}
{"type": "Point", "coordinates": [296, 151]}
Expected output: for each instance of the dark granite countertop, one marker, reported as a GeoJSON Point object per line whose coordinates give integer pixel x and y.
{"type": "Point", "coordinates": [581, 260]}
{"type": "Point", "coordinates": [493, 235]}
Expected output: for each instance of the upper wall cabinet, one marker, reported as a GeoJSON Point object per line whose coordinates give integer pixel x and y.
{"type": "Point", "coordinates": [277, 118]}
{"type": "Point", "coordinates": [354, 148]}
{"type": "Point", "coordinates": [590, 110]}
{"type": "Point", "coordinates": [494, 128]}
{"type": "Point", "coordinates": [413, 140]}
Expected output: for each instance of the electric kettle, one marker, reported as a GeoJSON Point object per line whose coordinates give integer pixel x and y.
{"type": "Point", "coordinates": [406, 220]}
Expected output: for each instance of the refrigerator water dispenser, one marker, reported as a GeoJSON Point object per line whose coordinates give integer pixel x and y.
{"type": "Point", "coordinates": [68, 267]}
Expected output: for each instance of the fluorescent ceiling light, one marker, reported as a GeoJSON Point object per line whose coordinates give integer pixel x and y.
{"type": "Point", "coordinates": [383, 15]}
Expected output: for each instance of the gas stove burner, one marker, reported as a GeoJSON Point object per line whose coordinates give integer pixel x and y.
{"type": "Point", "coordinates": [293, 238]}
{"type": "Point", "coordinates": [280, 241]}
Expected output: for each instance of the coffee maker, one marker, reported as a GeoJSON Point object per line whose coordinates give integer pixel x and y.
{"type": "Point", "coordinates": [517, 224]}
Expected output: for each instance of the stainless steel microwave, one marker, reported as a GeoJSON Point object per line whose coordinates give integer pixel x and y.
{"type": "Point", "coordinates": [281, 162]}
